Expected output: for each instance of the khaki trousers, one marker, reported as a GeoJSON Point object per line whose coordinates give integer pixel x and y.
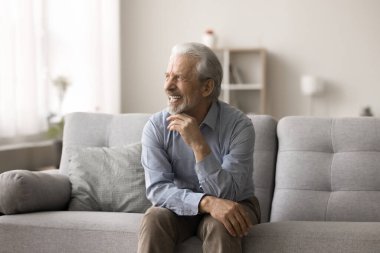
{"type": "Point", "coordinates": [161, 230]}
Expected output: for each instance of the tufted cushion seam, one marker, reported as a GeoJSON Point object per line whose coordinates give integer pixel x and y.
{"type": "Point", "coordinates": [327, 206]}
{"type": "Point", "coordinates": [265, 150]}
{"type": "Point", "coordinates": [332, 125]}
{"type": "Point", "coordinates": [82, 230]}
{"type": "Point", "coordinates": [108, 132]}
{"type": "Point", "coordinates": [320, 236]}
{"type": "Point", "coordinates": [325, 152]}
{"type": "Point", "coordinates": [315, 190]}
{"type": "Point", "coordinates": [331, 165]}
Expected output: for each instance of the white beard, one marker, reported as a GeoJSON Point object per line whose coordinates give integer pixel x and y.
{"type": "Point", "coordinates": [176, 109]}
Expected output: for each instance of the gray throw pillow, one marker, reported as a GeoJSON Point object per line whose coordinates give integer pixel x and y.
{"type": "Point", "coordinates": [23, 191]}
{"type": "Point", "coordinates": [107, 179]}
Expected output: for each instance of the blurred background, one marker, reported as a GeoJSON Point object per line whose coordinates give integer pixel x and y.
{"type": "Point", "coordinates": [109, 56]}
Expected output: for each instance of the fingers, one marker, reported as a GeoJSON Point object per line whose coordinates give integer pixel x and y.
{"type": "Point", "coordinates": [182, 123]}
{"type": "Point", "coordinates": [173, 125]}
{"type": "Point", "coordinates": [235, 228]}
{"type": "Point", "coordinates": [176, 121]}
{"type": "Point", "coordinates": [232, 215]}
{"type": "Point", "coordinates": [245, 215]}
{"type": "Point", "coordinates": [182, 117]}
{"type": "Point", "coordinates": [239, 223]}
{"type": "Point", "coordinates": [230, 228]}
{"type": "Point", "coordinates": [243, 221]}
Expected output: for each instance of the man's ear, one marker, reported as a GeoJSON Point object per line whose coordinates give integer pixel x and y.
{"type": "Point", "coordinates": [208, 87]}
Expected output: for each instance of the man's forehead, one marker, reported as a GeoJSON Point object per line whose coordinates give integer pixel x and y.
{"type": "Point", "coordinates": [182, 62]}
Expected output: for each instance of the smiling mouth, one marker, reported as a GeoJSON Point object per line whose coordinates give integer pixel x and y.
{"type": "Point", "coordinates": [174, 98]}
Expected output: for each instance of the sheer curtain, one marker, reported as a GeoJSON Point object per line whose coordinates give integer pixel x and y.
{"type": "Point", "coordinates": [84, 47]}
{"type": "Point", "coordinates": [41, 40]}
{"type": "Point", "coordinates": [23, 104]}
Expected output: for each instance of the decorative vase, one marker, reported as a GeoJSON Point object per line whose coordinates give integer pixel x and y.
{"type": "Point", "coordinates": [209, 38]}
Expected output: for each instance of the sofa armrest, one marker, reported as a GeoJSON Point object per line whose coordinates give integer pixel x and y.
{"type": "Point", "coordinates": [25, 191]}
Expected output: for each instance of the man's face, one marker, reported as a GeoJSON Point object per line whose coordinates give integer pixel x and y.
{"type": "Point", "coordinates": [182, 85]}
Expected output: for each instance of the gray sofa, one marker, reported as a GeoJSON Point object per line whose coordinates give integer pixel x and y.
{"type": "Point", "coordinates": [317, 180]}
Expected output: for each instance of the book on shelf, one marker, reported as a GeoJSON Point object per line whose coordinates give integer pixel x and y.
{"type": "Point", "coordinates": [235, 75]}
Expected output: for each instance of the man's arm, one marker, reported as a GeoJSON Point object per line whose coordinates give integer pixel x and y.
{"type": "Point", "coordinates": [212, 175]}
{"type": "Point", "coordinates": [231, 214]}
{"type": "Point", "coordinates": [159, 176]}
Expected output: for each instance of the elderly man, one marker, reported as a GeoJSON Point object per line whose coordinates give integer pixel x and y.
{"type": "Point", "coordinates": [198, 161]}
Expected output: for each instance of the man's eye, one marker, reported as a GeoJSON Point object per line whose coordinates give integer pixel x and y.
{"type": "Point", "coordinates": [176, 77]}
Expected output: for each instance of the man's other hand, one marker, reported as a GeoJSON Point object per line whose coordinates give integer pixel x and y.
{"type": "Point", "coordinates": [231, 214]}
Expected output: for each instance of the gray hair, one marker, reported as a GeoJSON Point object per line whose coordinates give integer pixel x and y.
{"type": "Point", "coordinates": [208, 66]}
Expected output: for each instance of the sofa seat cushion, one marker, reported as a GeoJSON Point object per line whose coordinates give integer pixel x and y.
{"type": "Point", "coordinates": [76, 231]}
{"type": "Point", "coordinates": [314, 236]}
{"type": "Point", "coordinates": [69, 232]}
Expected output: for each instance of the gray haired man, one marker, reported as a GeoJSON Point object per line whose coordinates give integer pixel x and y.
{"type": "Point", "coordinates": [198, 161]}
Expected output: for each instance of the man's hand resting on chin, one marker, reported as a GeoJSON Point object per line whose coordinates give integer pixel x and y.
{"type": "Point", "coordinates": [188, 128]}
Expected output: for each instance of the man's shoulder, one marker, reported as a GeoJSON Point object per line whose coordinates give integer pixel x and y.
{"type": "Point", "coordinates": [159, 117]}
{"type": "Point", "coordinates": [155, 129]}
{"type": "Point", "coordinates": [232, 115]}
{"type": "Point", "coordinates": [157, 120]}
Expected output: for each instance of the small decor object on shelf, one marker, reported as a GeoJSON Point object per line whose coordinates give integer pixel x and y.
{"type": "Point", "coordinates": [209, 38]}
{"type": "Point", "coordinates": [366, 112]}
{"type": "Point", "coordinates": [235, 75]}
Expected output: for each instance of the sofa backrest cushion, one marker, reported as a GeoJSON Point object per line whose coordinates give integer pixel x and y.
{"type": "Point", "coordinates": [100, 130]}
{"type": "Point", "coordinates": [105, 130]}
{"type": "Point", "coordinates": [327, 169]}
{"type": "Point", "coordinates": [264, 161]}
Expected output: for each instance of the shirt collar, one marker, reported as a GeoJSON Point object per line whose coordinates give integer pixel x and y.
{"type": "Point", "coordinates": [212, 115]}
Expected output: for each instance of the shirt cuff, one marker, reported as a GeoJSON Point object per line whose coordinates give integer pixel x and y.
{"type": "Point", "coordinates": [207, 167]}
{"type": "Point", "coordinates": [192, 203]}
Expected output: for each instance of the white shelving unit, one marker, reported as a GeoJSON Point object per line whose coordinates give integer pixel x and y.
{"type": "Point", "coordinates": [244, 81]}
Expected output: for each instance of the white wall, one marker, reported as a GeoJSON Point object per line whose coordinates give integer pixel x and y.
{"type": "Point", "coordinates": [337, 40]}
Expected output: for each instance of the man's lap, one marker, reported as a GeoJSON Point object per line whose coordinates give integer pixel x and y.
{"type": "Point", "coordinates": [184, 227]}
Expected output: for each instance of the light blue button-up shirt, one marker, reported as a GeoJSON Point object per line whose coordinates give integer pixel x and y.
{"type": "Point", "coordinates": [174, 179]}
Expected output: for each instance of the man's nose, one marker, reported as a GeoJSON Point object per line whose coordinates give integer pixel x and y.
{"type": "Point", "coordinates": [170, 83]}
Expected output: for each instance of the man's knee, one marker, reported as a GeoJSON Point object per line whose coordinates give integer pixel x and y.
{"type": "Point", "coordinates": [216, 237]}
{"type": "Point", "coordinates": [158, 218]}
{"type": "Point", "coordinates": [213, 227]}
{"type": "Point", "coordinates": [161, 212]}
{"type": "Point", "coordinates": [157, 231]}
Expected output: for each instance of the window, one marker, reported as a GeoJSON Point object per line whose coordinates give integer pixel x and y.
{"type": "Point", "coordinates": [42, 41]}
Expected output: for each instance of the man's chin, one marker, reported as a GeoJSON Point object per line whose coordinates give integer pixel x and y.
{"type": "Point", "coordinates": [175, 110]}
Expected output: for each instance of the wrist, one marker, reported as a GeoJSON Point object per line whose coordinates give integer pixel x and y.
{"type": "Point", "coordinates": [201, 150]}
{"type": "Point", "coordinates": [206, 203]}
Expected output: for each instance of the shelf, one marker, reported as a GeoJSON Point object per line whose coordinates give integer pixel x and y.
{"type": "Point", "coordinates": [244, 81]}
{"type": "Point", "coordinates": [242, 86]}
